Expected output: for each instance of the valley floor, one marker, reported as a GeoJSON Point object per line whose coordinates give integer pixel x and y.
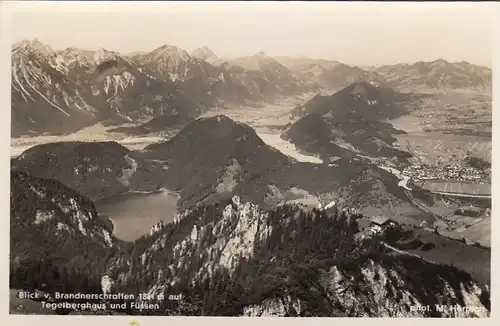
{"type": "Point", "coordinates": [446, 126]}
{"type": "Point", "coordinates": [435, 136]}
{"type": "Point", "coordinates": [268, 120]}
{"type": "Point", "coordinates": [97, 132]}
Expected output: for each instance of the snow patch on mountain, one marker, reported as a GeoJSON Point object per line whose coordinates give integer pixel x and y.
{"type": "Point", "coordinates": [121, 81]}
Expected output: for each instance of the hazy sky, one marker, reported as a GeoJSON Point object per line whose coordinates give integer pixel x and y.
{"type": "Point", "coordinates": [354, 33]}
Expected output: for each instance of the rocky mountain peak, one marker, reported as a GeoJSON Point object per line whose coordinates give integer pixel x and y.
{"type": "Point", "coordinates": [204, 53]}
{"type": "Point", "coordinates": [171, 52]}
{"type": "Point", "coordinates": [34, 44]}
{"type": "Point", "coordinates": [101, 55]}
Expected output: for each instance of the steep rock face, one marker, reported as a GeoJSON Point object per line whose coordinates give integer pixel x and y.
{"type": "Point", "coordinates": [60, 92]}
{"type": "Point", "coordinates": [95, 169]}
{"type": "Point", "coordinates": [438, 75]}
{"type": "Point", "coordinates": [230, 258]}
{"type": "Point", "coordinates": [44, 99]}
{"type": "Point", "coordinates": [45, 203]}
{"type": "Point", "coordinates": [120, 87]}
{"type": "Point", "coordinates": [235, 259]}
{"type": "Point", "coordinates": [53, 233]}
{"type": "Point", "coordinates": [232, 234]}
{"type": "Point", "coordinates": [275, 307]}
{"type": "Point", "coordinates": [379, 290]}
{"type": "Point", "coordinates": [385, 289]}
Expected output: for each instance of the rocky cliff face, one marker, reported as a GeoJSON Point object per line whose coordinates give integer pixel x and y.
{"type": "Point", "coordinates": [380, 292]}
{"type": "Point", "coordinates": [232, 258]}
{"type": "Point", "coordinates": [286, 263]}
{"type": "Point", "coordinates": [235, 233]}
{"type": "Point", "coordinates": [121, 88]}
{"type": "Point", "coordinates": [48, 204]}
{"type": "Point", "coordinates": [57, 241]}
{"type": "Point", "coordinates": [59, 92]}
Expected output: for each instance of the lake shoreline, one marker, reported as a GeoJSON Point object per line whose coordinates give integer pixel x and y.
{"type": "Point", "coordinates": [133, 214]}
{"type": "Point", "coordinates": [132, 193]}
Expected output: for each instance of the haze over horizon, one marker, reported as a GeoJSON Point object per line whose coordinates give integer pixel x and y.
{"type": "Point", "coordinates": [356, 34]}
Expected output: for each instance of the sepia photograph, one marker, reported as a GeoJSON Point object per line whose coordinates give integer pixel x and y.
{"type": "Point", "coordinates": [250, 159]}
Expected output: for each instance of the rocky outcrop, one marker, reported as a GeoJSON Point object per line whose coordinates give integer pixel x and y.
{"type": "Point", "coordinates": [275, 307]}
{"type": "Point", "coordinates": [293, 277]}
{"type": "Point", "coordinates": [43, 204]}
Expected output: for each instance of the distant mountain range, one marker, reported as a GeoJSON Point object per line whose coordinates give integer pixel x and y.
{"type": "Point", "coordinates": [428, 77]}
{"type": "Point", "coordinates": [439, 75]}
{"type": "Point", "coordinates": [61, 91]}
{"type": "Point", "coordinates": [331, 75]}
{"type": "Point", "coordinates": [58, 92]}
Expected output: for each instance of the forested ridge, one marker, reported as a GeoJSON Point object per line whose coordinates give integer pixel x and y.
{"type": "Point", "coordinates": [224, 258]}
{"type": "Point", "coordinates": [47, 245]}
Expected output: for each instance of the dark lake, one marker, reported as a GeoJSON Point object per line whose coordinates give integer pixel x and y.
{"type": "Point", "coordinates": [133, 214]}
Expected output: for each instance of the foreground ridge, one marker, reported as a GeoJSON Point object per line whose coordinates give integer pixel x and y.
{"type": "Point", "coordinates": [232, 258]}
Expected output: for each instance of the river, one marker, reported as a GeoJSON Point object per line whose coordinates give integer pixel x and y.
{"type": "Point", "coordinates": [284, 146]}
{"type": "Point", "coordinates": [403, 182]}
